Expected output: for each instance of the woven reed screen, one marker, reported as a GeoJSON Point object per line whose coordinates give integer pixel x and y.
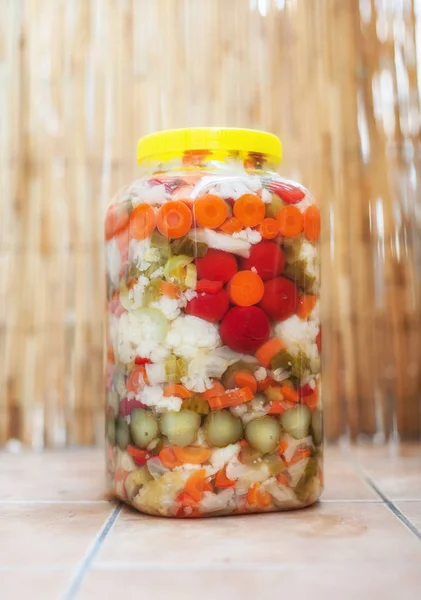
{"type": "Point", "coordinates": [81, 80]}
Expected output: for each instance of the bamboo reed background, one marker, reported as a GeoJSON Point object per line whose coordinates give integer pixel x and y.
{"type": "Point", "coordinates": [81, 80]}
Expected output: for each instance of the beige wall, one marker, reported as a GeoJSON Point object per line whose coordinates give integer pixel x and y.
{"type": "Point", "coordinates": [81, 80]}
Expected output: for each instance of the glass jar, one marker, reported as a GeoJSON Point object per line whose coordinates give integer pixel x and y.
{"type": "Point", "coordinates": [213, 361]}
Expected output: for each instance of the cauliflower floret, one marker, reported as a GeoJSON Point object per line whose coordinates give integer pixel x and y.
{"type": "Point", "coordinates": [159, 353]}
{"type": "Point", "coordinates": [224, 501]}
{"type": "Point", "coordinates": [297, 334]}
{"type": "Point", "coordinates": [153, 396]}
{"type": "Point", "coordinates": [113, 261]}
{"type": "Point", "coordinates": [133, 298]}
{"type": "Point", "coordinates": [308, 252]}
{"type": "Point", "coordinates": [266, 196]}
{"type": "Point", "coordinates": [200, 370]}
{"type": "Point", "coordinates": [139, 334]}
{"type": "Point", "coordinates": [260, 374]}
{"type": "Point", "coordinates": [249, 235]}
{"type": "Point", "coordinates": [157, 273]}
{"type": "Point", "coordinates": [233, 187]}
{"type": "Point", "coordinates": [137, 252]}
{"type": "Point", "coordinates": [142, 192]}
{"type": "Point", "coordinates": [187, 334]}
{"type": "Point", "coordinates": [221, 241]}
{"type": "Point", "coordinates": [221, 456]}
{"type": "Point", "coordinates": [168, 306]}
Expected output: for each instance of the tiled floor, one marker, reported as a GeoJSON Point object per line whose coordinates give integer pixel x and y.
{"type": "Point", "coordinates": [61, 539]}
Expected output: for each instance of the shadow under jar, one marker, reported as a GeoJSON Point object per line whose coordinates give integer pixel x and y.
{"type": "Point", "coordinates": [213, 345]}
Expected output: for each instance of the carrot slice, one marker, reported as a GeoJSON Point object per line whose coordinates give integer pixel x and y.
{"type": "Point", "coordinates": [176, 389]}
{"type": "Point", "coordinates": [216, 390]}
{"type": "Point", "coordinates": [246, 379]}
{"type": "Point", "coordinates": [258, 497]}
{"type": "Point", "coordinates": [195, 484]}
{"type": "Point", "coordinates": [263, 385]}
{"type": "Point", "coordinates": [231, 225]}
{"type": "Point", "coordinates": [306, 304]}
{"type": "Point", "coordinates": [312, 223]}
{"type": "Point", "coordinates": [231, 398]}
{"type": "Point", "coordinates": [269, 228]}
{"type": "Point", "coordinates": [249, 210]}
{"type": "Point", "coordinates": [136, 379]}
{"type": "Point", "coordinates": [299, 454]}
{"type": "Point", "coordinates": [168, 458]}
{"type": "Point", "coordinates": [142, 221]}
{"type": "Point", "coordinates": [222, 481]}
{"type": "Point", "coordinates": [139, 456]}
{"type": "Point", "coordinates": [282, 479]}
{"type": "Point", "coordinates": [277, 408]}
{"type": "Point", "coordinates": [311, 400]}
{"type": "Point", "coordinates": [192, 455]}
{"type": "Point", "coordinates": [290, 221]}
{"type": "Point", "coordinates": [282, 447]}
{"type": "Point", "coordinates": [210, 211]}
{"type": "Point", "coordinates": [167, 288]}
{"type": "Point", "coordinates": [289, 393]}
{"type": "Point", "coordinates": [266, 352]}
{"type": "Point", "coordinates": [116, 220]}
{"type": "Point", "coordinates": [174, 219]}
{"type": "Point", "coordinates": [246, 288]}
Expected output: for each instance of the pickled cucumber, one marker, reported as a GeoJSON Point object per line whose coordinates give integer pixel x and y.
{"type": "Point", "coordinates": [180, 427]}
{"type": "Point", "coordinates": [274, 463]}
{"type": "Point", "coordinates": [175, 368]}
{"type": "Point", "coordinates": [274, 207]}
{"type": "Point", "coordinates": [308, 481]}
{"type": "Point", "coordinates": [228, 378]}
{"type": "Point", "coordinates": [297, 272]}
{"type": "Point", "coordinates": [161, 242]}
{"type": "Point", "coordinates": [110, 430]}
{"type": "Point", "coordinates": [152, 291]}
{"type": "Point", "coordinates": [263, 434]}
{"type": "Point", "coordinates": [296, 421]}
{"type": "Point", "coordinates": [135, 481]}
{"type": "Point", "coordinates": [197, 404]}
{"type": "Point", "coordinates": [286, 361]}
{"type": "Point", "coordinates": [317, 427]}
{"type": "Point", "coordinates": [143, 427]}
{"type": "Point", "coordinates": [189, 247]}
{"type": "Point", "coordinates": [222, 428]}
{"type": "Point", "coordinates": [122, 433]}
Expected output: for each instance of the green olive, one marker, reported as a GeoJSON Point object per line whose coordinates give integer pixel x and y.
{"type": "Point", "coordinates": [222, 428]}
{"type": "Point", "coordinates": [143, 427]}
{"type": "Point", "coordinates": [122, 433]}
{"type": "Point", "coordinates": [136, 480]}
{"type": "Point", "coordinates": [263, 434]}
{"type": "Point", "coordinates": [317, 427]}
{"type": "Point", "coordinates": [296, 421]}
{"type": "Point", "coordinates": [180, 427]}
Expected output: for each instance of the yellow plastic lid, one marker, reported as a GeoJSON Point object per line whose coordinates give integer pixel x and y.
{"type": "Point", "coordinates": [173, 142]}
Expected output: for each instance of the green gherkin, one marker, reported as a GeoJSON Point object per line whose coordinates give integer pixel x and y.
{"type": "Point", "coordinates": [197, 404]}
{"type": "Point", "coordinates": [189, 247]}
{"type": "Point", "coordinates": [304, 487]}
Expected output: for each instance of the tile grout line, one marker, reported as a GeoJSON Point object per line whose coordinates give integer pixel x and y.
{"type": "Point", "coordinates": [90, 555]}
{"type": "Point", "coordinates": [389, 503]}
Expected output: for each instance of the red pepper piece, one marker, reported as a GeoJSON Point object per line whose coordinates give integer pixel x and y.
{"type": "Point", "coordinates": [289, 193]}
{"type": "Point", "coordinates": [209, 287]}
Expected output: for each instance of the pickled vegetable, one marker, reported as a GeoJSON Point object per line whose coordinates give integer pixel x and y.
{"type": "Point", "coordinates": [122, 433]}
{"type": "Point", "coordinates": [180, 427]}
{"type": "Point", "coordinates": [136, 480]}
{"type": "Point", "coordinates": [189, 247]}
{"type": "Point", "coordinates": [197, 404]}
{"type": "Point", "coordinates": [317, 427]}
{"type": "Point", "coordinates": [296, 421]}
{"type": "Point", "coordinates": [263, 434]}
{"type": "Point", "coordinates": [222, 428]}
{"type": "Point", "coordinates": [143, 427]}
{"type": "Point", "coordinates": [213, 341]}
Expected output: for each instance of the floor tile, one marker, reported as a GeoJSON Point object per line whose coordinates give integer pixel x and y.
{"type": "Point", "coordinates": [341, 480]}
{"type": "Point", "coordinates": [395, 471]}
{"type": "Point", "coordinates": [53, 535]}
{"type": "Point", "coordinates": [336, 532]}
{"type": "Point", "coordinates": [53, 475]}
{"type": "Point", "coordinates": [412, 511]}
{"type": "Point", "coordinates": [36, 586]}
{"type": "Point", "coordinates": [320, 582]}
